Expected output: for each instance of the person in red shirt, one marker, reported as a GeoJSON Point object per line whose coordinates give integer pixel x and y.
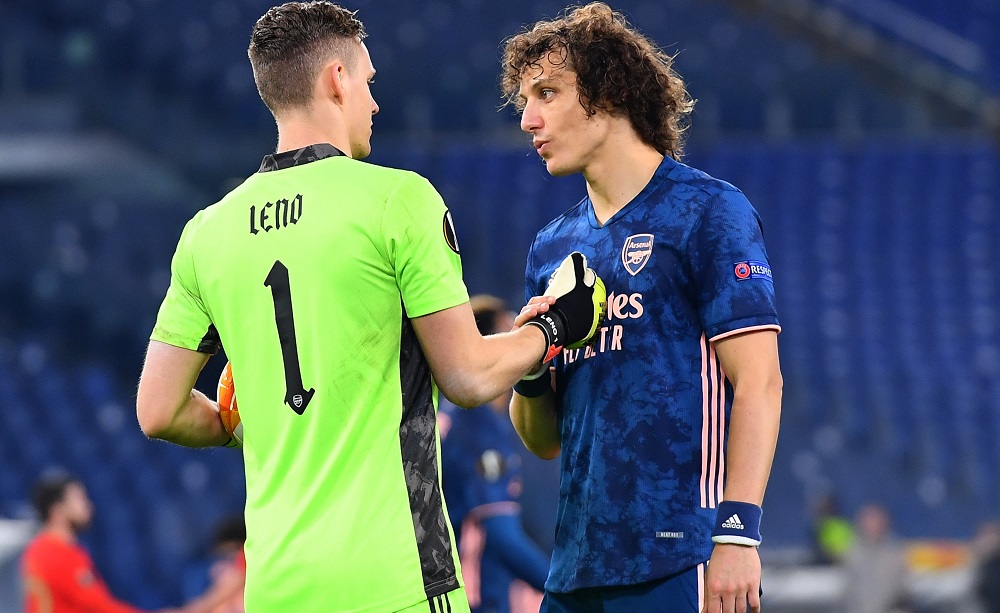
{"type": "Point", "coordinates": [59, 575]}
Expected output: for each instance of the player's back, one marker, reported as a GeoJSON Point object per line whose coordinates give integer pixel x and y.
{"type": "Point", "coordinates": [303, 272]}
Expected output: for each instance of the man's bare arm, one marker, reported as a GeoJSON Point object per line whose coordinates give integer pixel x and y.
{"type": "Point", "coordinates": [168, 406]}
{"type": "Point", "coordinates": [471, 369]}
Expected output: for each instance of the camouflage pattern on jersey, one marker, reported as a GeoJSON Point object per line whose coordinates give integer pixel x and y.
{"type": "Point", "coordinates": [643, 413]}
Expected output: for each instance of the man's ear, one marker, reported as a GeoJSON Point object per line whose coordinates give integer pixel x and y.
{"type": "Point", "coordinates": [332, 82]}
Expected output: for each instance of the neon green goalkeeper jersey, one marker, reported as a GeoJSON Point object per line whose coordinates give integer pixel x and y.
{"type": "Point", "coordinates": [309, 273]}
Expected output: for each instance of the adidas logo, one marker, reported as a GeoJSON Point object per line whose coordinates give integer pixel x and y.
{"type": "Point", "coordinates": [733, 523]}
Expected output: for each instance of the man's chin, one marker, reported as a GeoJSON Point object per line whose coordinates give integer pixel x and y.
{"type": "Point", "coordinates": [556, 170]}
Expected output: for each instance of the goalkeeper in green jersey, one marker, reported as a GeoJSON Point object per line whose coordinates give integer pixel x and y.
{"type": "Point", "coordinates": [336, 288]}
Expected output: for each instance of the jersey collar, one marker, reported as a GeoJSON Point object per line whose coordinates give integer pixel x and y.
{"type": "Point", "coordinates": [665, 168]}
{"type": "Point", "coordinates": [297, 157]}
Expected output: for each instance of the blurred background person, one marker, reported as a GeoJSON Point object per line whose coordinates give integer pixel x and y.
{"type": "Point", "coordinates": [865, 134]}
{"type": "Point", "coordinates": [59, 575]}
{"type": "Point", "coordinates": [986, 569]}
{"type": "Point", "coordinates": [876, 566]}
{"type": "Point", "coordinates": [15, 534]}
{"type": "Point", "coordinates": [214, 583]}
{"type": "Point", "coordinates": [832, 533]}
{"type": "Point", "coordinates": [481, 464]}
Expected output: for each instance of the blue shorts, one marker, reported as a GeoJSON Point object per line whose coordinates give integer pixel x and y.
{"type": "Point", "coordinates": [680, 593]}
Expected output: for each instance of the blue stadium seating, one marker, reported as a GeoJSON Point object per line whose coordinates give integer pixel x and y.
{"type": "Point", "coordinates": [887, 291]}
{"type": "Point", "coordinates": [975, 49]}
{"type": "Point", "coordinates": [156, 505]}
{"type": "Point", "coordinates": [882, 250]}
{"type": "Point", "coordinates": [161, 71]}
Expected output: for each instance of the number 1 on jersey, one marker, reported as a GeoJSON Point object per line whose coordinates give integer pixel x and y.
{"type": "Point", "coordinates": [296, 396]}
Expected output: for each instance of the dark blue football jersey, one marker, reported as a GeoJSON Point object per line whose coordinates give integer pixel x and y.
{"type": "Point", "coordinates": [481, 477]}
{"type": "Point", "coordinates": [480, 460]}
{"type": "Point", "coordinates": [643, 414]}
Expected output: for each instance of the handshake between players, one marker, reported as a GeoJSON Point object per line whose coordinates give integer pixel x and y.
{"type": "Point", "coordinates": [571, 310]}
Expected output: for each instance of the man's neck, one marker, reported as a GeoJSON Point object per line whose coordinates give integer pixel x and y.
{"type": "Point", "coordinates": [61, 530]}
{"type": "Point", "coordinates": [617, 176]}
{"type": "Point", "coordinates": [301, 129]}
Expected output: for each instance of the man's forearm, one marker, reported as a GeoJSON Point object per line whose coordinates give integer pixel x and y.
{"type": "Point", "coordinates": [513, 354]}
{"type": "Point", "coordinates": [753, 434]}
{"type": "Point", "coordinates": [469, 369]}
{"type": "Point", "coordinates": [536, 423]}
{"type": "Point", "coordinates": [195, 424]}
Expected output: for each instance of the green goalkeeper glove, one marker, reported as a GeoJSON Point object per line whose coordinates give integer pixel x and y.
{"type": "Point", "coordinates": [581, 302]}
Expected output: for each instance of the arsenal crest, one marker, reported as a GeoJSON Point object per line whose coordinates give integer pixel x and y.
{"type": "Point", "coordinates": [636, 252]}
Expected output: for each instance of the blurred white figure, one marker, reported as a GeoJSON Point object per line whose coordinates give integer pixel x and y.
{"type": "Point", "coordinates": [875, 566]}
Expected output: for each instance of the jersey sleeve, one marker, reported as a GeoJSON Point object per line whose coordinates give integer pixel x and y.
{"type": "Point", "coordinates": [732, 275]}
{"type": "Point", "coordinates": [183, 320]}
{"type": "Point", "coordinates": [421, 243]}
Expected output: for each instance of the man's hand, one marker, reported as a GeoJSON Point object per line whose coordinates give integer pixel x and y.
{"type": "Point", "coordinates": [732, 581]}
{"type": "Point", "coordinates": [579, 306]}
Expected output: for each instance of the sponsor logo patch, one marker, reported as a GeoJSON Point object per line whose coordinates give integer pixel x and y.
{"type": "Point", "coordinates": [752, 269]}
{"type": "Point", "coordinates": [636, 252]}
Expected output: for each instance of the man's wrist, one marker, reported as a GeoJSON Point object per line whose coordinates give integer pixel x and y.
{"type": "Point", "coordinates": [536, 382]}
{"type": "Point", "coordinates": [541, 335]}
{"type": "Point", "coordinates": [542, 369]}
{"type": "Point", "coordinates": [737, 523]}
{"type": "Point", "coordinates": [548, 326]}
{"type": "Point", "coordinates": [533, 388]}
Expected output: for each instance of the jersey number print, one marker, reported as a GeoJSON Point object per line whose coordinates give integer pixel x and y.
{"type": "Point", "coordinates": [296, 396]}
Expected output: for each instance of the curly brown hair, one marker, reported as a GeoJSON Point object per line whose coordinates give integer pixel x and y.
{"type": "Point", "coordinates": [289, 45]}
{"type": "Point", "coordinates": [618, 71]}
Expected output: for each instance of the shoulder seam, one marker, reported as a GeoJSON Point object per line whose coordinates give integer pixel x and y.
{"type": "Point", "coordinates": [403, 175]}
{"type": "Point", "coordinates": [723, 185]}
